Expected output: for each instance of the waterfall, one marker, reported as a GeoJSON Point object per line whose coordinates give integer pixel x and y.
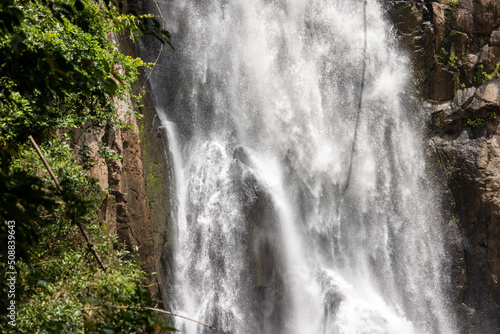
{"type": "Point", "coordinates": [260, 100]}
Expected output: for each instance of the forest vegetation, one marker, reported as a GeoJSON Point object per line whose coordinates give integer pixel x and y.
{"type": "Point", "coordinates": [60, 72]}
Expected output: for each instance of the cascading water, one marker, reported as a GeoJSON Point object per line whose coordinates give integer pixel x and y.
{"type": "Point", "coordinates": [260, 100]}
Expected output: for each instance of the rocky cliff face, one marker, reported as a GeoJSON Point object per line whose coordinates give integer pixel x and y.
{"type": "Point", "coordinates": [455, 45]}
{"type": "Point", "coordinates": [137, 207]}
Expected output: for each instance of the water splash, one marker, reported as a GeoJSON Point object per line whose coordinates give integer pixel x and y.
{"type": "Point", "coordinates": [261, 100]}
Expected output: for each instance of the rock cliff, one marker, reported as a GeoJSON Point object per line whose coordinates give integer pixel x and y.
{"type": "Point", "coordinates": [137, 206]}
{"type": "Point", "coordinates": [455, 46]}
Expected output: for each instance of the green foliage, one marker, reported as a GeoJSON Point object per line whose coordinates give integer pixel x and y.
{"type": "Point", "coordinates": [30, 198]}
{"type": "Point", "coordinates": [24, 199]}
{"type": "Point", "coordinates": [481, 122]}
{"type": "Point", "coordinates": [86, 160]}
{"type": "Point", "coordinates": [59, 71]}
{"type": "Point", "coordinates": [476, 123]}
{"type": "Point", "coordinates": [61, 284]}
{"type": "Point", "coordinates": [454, 2]}
{"type": "Point", "coordinates": [59, 68]}
{"type": "Point", "coordinates": [108, 154]}
{"type": "Point", "coordinates": [63, 292]}
{"type": "Point", "coordinates": [452, 60]}
{"type": "Point", "coordinates": [457, 81]}
{"type": "Point", "coordinates": [481, 77]}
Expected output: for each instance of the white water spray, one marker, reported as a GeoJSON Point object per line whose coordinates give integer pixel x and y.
{"type": "Point", "coordinates": [260, 101]}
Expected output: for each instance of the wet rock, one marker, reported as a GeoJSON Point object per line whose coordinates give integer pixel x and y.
{"type": "Point", "coordinates": [408, 18]}
{"type": "Point", "coordinates": [463, 96]}
{"type": "Point", "coordinates": [459, 45]}
{"type": "Point", "coordinates": [471, 157]}
{"type": "Point", "coordinates": [486, 99]}
{"type": "Point", "coordinates": [491, 58]}
{"type": "Point", "coordinates": [469, 68]}
{"type": "Point", "coordinates": [448, 42]}
{"type": "Point", "coordinates": [472, 161]}
{"type": "Point", "coordinates": [439, 23]}
{"type": "Point", "coordinates": [464, 21]}
{"type": "Point", "coordinates": [442, 84]}
{"type": "Point", "coordinates": [486, 15]}
{"type": "Point", "coordinates": [495, 38]}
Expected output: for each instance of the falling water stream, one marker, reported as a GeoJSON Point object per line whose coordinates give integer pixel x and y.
{"type": "Point", "coordinates": [260, 100]}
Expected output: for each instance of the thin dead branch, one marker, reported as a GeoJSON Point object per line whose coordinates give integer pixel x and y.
{"type": "Point", "coordinates": [161, 47]}
{"type": "Point", "coordinates": [59, 187]}
{"type": "Point", "coordinates": [151, 309]}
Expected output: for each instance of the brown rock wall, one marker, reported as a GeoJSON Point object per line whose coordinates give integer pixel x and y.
{"type": "Point", "coordinates": [456, 51]}
{"type": "Point", "coordinates": [454, 45]}
{"type": "Point", "coordinates": [137, 207]}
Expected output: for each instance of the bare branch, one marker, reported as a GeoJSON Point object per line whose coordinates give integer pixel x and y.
{"type": "Point", "coordinates": [161, 47]}
{"type": "Point", "coordinates": [58, 185]}
{"type": "Point", "coordinates": [151, 309]}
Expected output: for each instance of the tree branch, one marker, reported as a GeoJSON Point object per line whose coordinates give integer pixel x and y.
{"type": "Point", "coordinates": [58, 185]}
{"type": "Point", "coordinates": [151, 309]}
{"type": "Point", "coordinates": [161, 47]}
